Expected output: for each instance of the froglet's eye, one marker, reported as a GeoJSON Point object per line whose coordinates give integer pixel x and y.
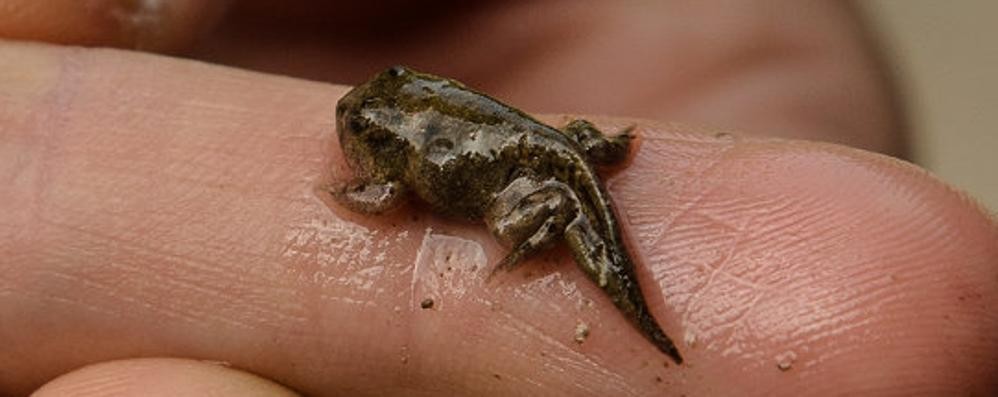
{"type": "Point", "coordinates": [358, 124]}
{"type": "Point", "coordinates": [371, 102]}
{"type": "Point", "coordinates": [397, 70]}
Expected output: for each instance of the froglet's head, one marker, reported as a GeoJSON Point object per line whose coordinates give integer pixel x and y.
{"type": "Point", "coordinates": [367, 121]}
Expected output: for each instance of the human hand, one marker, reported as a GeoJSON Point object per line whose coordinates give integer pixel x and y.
{"type": "Point", "coordinates": [164, 208]}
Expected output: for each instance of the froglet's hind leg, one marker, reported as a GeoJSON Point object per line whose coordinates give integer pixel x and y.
{"type": "Point", "coordinates": [370, 197]}
{"type": "Point", "coordinates": [601, 149]}
{"type": "Point", "coordinates": [529, 215]}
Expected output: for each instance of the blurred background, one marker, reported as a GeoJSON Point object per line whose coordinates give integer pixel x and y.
{"type": "Point", "coordinates": [542, 56]}
{"type": "Point", "coordinates": [941, 55]}
{"type": "Point", "coordinates": [946, 60]}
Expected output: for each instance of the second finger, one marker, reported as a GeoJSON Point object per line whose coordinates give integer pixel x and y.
{"type": "Point", "coordinates": [147, 25]}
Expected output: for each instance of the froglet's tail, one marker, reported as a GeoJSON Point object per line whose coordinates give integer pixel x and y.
{"type": "Point", "coordinates": [652, 331]}
{"type": "Point", "coordinates": [607, 263]}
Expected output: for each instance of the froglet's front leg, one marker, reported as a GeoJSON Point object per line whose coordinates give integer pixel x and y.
{"type": "Point", "coordinates": [371, 197]}
{"type": "Point", "coordinates": [599, 148]}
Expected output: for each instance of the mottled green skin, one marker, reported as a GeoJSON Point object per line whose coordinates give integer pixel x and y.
{"type": "Point", "coordinates": [469, 156]}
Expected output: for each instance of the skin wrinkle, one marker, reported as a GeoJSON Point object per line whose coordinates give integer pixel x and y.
{"type": "Point", "coordinates": [209, 278]}
{"type": "Point", "coordinates": [609, 377]}
{"type": "Point", "coordinates": [77, 229]}
{"type": "Point", "coordinates": [168, 278]}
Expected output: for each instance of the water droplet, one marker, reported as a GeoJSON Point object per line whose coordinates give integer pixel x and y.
{"type": "Point", "coordinates": [441, 267]}
{"type": "Point", "coordinates": [785, 360]}
{"type": "Point", "coordinates": [581, 332]}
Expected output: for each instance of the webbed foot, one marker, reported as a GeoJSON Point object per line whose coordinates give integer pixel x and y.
{"type": "Point", "coordinates": [601, 149]}
{"type": "Point", "coordinates": [530, 215]}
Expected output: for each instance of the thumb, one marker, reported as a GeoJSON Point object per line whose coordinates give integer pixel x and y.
{"type": "Point", "coordinates": [153, 377]}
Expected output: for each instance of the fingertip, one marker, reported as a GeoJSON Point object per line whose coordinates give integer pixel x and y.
{"type": "Point", "coordinates": [795, 258]}
{"type": "Point", "coordinates": [160, 377]}
{"type": "Point", "coordinates": [154, 25]}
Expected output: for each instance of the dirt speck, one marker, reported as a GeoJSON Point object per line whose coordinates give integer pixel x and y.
{"type": "Point", "coordinates": [690, 339]}
{"type": "Point", "coordinates": [785, 360]}
{"type": "Point", "coordinates": [426, 303]}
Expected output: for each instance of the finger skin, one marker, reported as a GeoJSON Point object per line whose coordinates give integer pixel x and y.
{"type": "Point", "coordinates": [142, 24]}
{"type": "Point", "coordinates": [182, 214]}
{"type": "Point", "coordinates": [153, 377]}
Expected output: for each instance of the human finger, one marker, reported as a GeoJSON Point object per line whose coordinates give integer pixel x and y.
{"type": "Point", "coordinates": [186, 216]}
{"type": "Point", "coordinates": [146, 25]}
{"type": "Point", "coordinates": [160, 377]}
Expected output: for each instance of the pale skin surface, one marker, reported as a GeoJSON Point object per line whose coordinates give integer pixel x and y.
{"type": "Point", "coordinates": [155, 207]}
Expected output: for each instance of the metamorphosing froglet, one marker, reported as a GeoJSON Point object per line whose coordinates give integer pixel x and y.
{"type": "Point", "coordinates": [467, 155]}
